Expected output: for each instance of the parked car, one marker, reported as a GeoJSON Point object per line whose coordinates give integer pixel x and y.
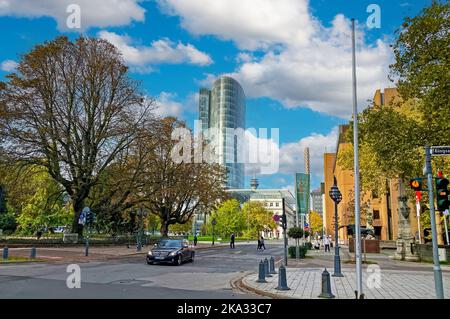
{"type": "Point", "coordinates": [59, 229]}
{"type": "Point", "coordinates": [175, 251]}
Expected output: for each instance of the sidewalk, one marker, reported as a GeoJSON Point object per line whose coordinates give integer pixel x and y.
{"type": "Point", "coordinates": [305, 283]}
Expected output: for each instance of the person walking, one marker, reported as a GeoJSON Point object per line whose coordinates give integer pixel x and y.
{"type": "Point", "coordinates": [259, 244]}
{"type": "Point", "coordinates": [232, 241]}
{"type": "Point", "coordinates": [263, 246]}
{"type": "Point", "coordinates": [195, 240]}
{"type": "Point", "coordinates": [326, 243]}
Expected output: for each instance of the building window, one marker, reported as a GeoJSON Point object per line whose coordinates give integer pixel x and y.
{"type": "Point", "coordinates": [271, 204]}
{"type": "Point", "coordinates": [277, 204]}
{"type": "Point", "coordinates": [376, 214]}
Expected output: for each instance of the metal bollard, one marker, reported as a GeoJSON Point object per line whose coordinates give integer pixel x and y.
{"type": "Point", "coordinates": [272, 266]}
{"type": "Point", "coordinates": [266, 268]}
{"type": "Point", "coordinates": [261, 273]}
{"type": "Point", "coordinates": [282, 280]}
{"type": "Point", "coordinates": [326, 285]}
{"type": "Point", "coordinates": [33, 253]}
{"type": "Point", "coordinates": [5, 253]}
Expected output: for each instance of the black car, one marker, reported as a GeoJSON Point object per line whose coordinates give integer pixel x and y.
{"type": "Point", "coordinates": [175, 251]}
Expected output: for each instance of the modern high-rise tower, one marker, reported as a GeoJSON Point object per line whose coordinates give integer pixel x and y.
{"type": "Point", "coordinates": [223, 108]}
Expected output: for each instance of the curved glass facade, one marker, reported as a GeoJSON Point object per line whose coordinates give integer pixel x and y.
{"type": "Point", "coordinates": [225, 105]}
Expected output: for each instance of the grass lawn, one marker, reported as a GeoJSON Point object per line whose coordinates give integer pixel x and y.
{"type": "Point", "coordinates": [18, 260]}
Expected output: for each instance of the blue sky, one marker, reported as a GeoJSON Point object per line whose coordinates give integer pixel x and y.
{"type": "Point", "coordinates": [292, 57]}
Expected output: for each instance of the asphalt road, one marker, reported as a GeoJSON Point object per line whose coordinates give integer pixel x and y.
{"type": "Point", "coordinates": [208, 277]}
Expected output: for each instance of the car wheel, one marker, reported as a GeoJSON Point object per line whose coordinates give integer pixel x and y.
{"type": "Point", "coordinates": [192, 257]}
{"type": "Point", "coordinates": [149, 262]}
{"type": "Point", "coordinates": [179, 260]}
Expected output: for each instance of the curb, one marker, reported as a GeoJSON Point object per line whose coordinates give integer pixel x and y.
{"type": "Point", "coordinates": [238, 283]}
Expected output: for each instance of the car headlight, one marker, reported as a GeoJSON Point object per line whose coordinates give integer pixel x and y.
{"type": "Point", "coordinates": [173, 253]}
{"type": "Point", "coordinates": [150, 253]}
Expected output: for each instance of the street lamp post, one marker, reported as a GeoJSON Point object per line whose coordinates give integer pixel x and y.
{"type": "Point", "coordinates": [336, 196]}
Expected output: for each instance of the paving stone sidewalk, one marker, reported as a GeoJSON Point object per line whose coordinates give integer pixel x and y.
{"type": "Point", "coordinates": [306, 283]}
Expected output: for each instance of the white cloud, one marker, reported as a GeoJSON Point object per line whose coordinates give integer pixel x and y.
{"type": "Point", "coordinates": [94, 13]}
{"type": "Point", "coordinates": [250, 23]}
{"type": "Point", "coordinates": [140, 58]}
{"type": "Point", "coordinates": [290, 156]}
{"type": "Point", "coordinates": [8, 66]}
{"type": "Point", "coordinates": [167, 106]}
{"type": "Point", "coordinates": [304, 63]}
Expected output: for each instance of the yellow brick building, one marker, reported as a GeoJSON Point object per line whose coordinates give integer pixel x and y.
{"type": "Point", "coordinates": [383, 207]}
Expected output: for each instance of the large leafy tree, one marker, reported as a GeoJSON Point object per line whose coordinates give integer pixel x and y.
{"type": "Point", "coordinates": [229, 217]}
{"type": "Point", "coordinates": [258, 217]}
{"type": "Point", "coordinates": [422, 66]}
{"type": "Point", "coordinates": [71, 108]}
{"type": "Point", "coordinates": [174, 190]}
{"type": "Point", "coordinates": [34, 198]}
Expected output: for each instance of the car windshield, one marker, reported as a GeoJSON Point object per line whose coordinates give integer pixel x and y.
{"type": "Point", "coordinates": [170, 244]}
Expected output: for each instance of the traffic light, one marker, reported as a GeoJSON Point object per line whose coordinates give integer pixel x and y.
{"type": "Point", "coordinates": [283, 220]}
{"type": "Point", "coordinates": [416, 184]}
{"type": "Point", "coordinates": [442, 193]}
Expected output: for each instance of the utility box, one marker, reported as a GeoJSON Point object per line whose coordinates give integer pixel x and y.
{"type": "Point", "coordinates": [367, 245]}
{"type": "Point", "coordinates": [442, 254]}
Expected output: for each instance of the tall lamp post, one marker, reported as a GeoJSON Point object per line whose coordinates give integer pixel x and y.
{"type": "Point", "coordinates": [336, 196]}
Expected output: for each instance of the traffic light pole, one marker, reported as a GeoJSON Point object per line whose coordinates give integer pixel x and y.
{"type": "Point", "coordinates": [436, 267]}
{"type": "Point", "coordinates": [86, 248]}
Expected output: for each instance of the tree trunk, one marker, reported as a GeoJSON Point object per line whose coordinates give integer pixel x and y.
{"type": "Point", "coordinates": [164, 228]}
{"type": "Point", "coordinates": [76, 227]}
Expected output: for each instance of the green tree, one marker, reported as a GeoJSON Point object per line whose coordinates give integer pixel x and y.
{"type": "Point", "coordinates": [44, 208]}
{"type": "Point", "coordinates": [72, 109]}
{"type": "Point", "coordinates": [172, 190]}
{"type": "Point", "coordinates": [258, 218]}
{"type": "Point", "coordinates": [230, 219]}
{"type": "Point", "coordinates": [422, 66]}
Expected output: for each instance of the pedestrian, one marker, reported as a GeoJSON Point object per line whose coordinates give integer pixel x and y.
{"type": "Point", "coordinates": [195, 240]}
{"type": "Point", "coordinates": [326, 243]}
{"type": "Point", "coordinates": [232, 241]}
{"type": "Point", "coordinates": [316, 245]}
{"type": "Point", "coordinates": [263, 246]}
{"type": "Point", "coordinates": [259, 244]}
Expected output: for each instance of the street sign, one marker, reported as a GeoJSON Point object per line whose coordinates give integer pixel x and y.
{"type": "Point", "coordinates": [214, 222]}
{"type": "Point", "coordinates": [276, 218]}
{"type": "Point", "coordinates": [440, 150]}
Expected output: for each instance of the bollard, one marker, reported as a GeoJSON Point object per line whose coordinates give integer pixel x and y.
{"type": "Point", "coordinates": [33, 253]}
{"type": "Point", "coordinates": [261, 273]}
{"type": "Point", "coordinates": [326, 285]}
{"type": "Point", "coordinates": [266, 268]}
{"type": "Point", "coordinates": [282, 280]}
{"type": "Point", "coordinates": [272, 266]}
{"type": "Point", "coordinates": [5, 253]}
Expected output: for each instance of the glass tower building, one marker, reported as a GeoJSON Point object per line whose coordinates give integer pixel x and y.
{"type": "Point", "coordinates": [222, 111]}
